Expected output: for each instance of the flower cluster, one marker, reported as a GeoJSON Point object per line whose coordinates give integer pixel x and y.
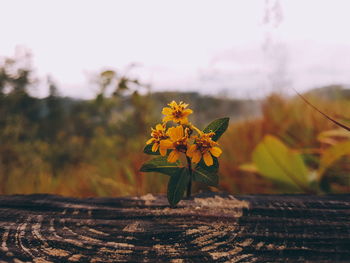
{"type": "Point", "coordinates": [183, 138]}
{"type": "Point", "coordinates": [176, 137]}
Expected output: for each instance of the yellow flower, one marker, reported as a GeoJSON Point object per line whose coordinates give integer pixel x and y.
{"type": "Point", "coordinates": [157, 134]}
{"type": "Point", "coordinates": [204, 147]}
{"type": "Point", "coordinates": [176, 112]}
{"type": "Point", "coordinates": [177, 142]}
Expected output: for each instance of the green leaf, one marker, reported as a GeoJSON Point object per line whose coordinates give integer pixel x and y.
{"type": "Point", "coordinates": [160, 165]}
{"type": "Point", "coordinates": [332, 154]}
{"type": "Point", "coordinates": [148, 150]}
{"type": "Point", "coordinates": [177, 186]}
{"type": "Point", "coordinates": [204, 176]}
{"type": "Point", "coordinates": [218, 126]}
{"type": "Point", "coordinates": [207, 174]}
{"type": "Point", "coordinates": [277, 162]}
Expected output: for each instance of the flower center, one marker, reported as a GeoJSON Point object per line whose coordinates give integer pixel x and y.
{"type": "Point", "coordinates": [181, 145]}
{"type": "Point", "coordinates": [177, 114]}
{"type": "Point", "coordinates": [203, 146]}
{"type": "Point", "coordinates": [205, 143]}
{"type": "Point", "coordinates": [159, 135]}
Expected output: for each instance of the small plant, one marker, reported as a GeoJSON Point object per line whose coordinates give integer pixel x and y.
{"type": "Point", "coordinates": [178, 141]}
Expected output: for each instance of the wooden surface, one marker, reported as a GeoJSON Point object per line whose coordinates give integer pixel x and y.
{"type": "Point", "coordinates": [217, 228]}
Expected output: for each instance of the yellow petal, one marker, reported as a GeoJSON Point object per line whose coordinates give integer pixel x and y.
{"type": "Point", "coordinates": [172, 104]}
{"type": "Point", "coordinates": [180, 132]}
{"type": "Point", "coordinates": [183, 120]}
{"type": "Point", "coordinates": [155, 147]}
{"type": "Point", "coordinates": [167, 111]}
{"type": "Point", "coordinates": [162, 151]}
{"type": "Point", "coordinates": [176, 133]}
{"type": "Point", "coordinates": [186, 112]}
{"type": "Point", "coordinates": [166, 144]}
{"type": "Point", "coordinates": [215, 151]}
{"type": "Point", "coordinates": [208, 159]}
{"type": "Point", "coordinates": [159, 127]}
{"type": "Point", "coordinates": [184, 104]}
{"type": "Point", "coordinates": [173, 156]}
{"type": "Point", "coordinates": [191, 150]}
{"type": "Point", "coordinates": [196, 157]}
{"type": "Point", "coordinates": [150, 141]}
{"type": "Point", "coordinates": [167, 118]}
{"type": "Point", "coordinates": [170, 132]}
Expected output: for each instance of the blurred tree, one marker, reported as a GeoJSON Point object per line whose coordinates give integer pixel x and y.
{"type": "Point", "coordinates": [55, 114]}
{"type": "Point", "coordinates": [17, 111]}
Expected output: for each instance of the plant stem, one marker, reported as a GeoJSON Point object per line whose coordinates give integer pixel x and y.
{"type": "Point", "coordinates": [189, 186]}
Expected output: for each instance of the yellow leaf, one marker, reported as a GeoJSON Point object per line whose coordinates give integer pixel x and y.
{"type": "Point", "coordinates": [333, 154]}
{"type": "Point", "coordinates": [284, 166]}
{"type": "Point", "coordinates": [248, 167]}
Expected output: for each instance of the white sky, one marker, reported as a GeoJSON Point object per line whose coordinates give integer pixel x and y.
{"type": "Point", "coordinates": [182, 45]}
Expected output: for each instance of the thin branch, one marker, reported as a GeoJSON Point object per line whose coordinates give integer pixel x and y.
{"type": "Point", "coordinates": [325, 115]}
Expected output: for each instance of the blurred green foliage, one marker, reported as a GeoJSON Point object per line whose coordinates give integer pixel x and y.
{"type": "Point", "coordinates": [67, 146]}
{"type": "Point", "coordinates": [83, 147]}
{"type": "Point", "coordinates": [292, 147]}
{"type": "Point", "coordinates": [95, 147]}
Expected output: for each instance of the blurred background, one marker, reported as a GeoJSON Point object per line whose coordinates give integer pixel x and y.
{"type": "Point", "coordinates": [82, 83]}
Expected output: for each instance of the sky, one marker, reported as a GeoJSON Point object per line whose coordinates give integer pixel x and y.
{"type": "Point", "coordinates": [241, 48]}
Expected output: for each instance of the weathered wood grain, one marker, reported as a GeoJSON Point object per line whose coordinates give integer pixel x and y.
{"type": "Point", "coordinates": [217, 228]}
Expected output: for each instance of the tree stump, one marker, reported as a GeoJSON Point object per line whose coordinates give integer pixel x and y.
{"type": "Point", "coordinates": [207, 228]}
